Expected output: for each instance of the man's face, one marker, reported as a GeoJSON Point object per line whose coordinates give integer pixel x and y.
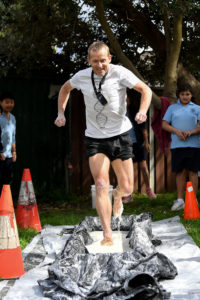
{"type": "Point", "coordinates": [185, 97]}
{"type": "Point", "coordinates": [99, 61]}
{"type": "Point", "coordinates": [7, 104]}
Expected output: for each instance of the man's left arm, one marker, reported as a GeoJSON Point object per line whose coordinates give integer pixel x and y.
{"type": "Point", "coordinates": [146, 95]}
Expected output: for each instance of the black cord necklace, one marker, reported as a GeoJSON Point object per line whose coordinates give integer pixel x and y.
{"type": "Point", "coordinates": [98, 93]}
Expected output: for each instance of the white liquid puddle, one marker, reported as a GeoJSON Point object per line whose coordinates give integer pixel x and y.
{"type": "Point", "coordinates": [120, 243]}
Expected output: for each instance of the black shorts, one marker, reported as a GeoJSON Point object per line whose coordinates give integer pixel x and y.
{"type": "Point", "coordinates": [185, 158]}
{"type": "Point", "coordinates": [119, 146]}
{"type": "Point", "coordinates": [139, 152]}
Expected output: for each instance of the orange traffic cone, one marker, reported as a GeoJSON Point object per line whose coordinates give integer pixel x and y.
{"type": "Point", "coordinates": [191, 210]}
{"type": "Point", "coordinates": [11, 263]}
{"type": "Point", "coordinates": [27, 211]}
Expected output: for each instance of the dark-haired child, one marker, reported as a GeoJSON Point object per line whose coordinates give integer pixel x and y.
{"type": "Point", "coordinates": [182, 120]}
{"type": "Point", "coordinates": [139, 137]}
{"type": "Point", "coordinates": [7, 139]}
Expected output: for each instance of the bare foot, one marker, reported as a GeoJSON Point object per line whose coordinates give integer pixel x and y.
{"type": "Point", "coordinates": [118, 205]}
{"type": "Point", "coordinates": [107, 241]}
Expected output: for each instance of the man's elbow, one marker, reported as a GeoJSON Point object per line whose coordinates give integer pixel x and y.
{"type": "Point", "coordinates": [66, 88]}
{"type": "Point", "coordinates": [147, 91]}
{"type": "Point", "coordinates": [150, 93]}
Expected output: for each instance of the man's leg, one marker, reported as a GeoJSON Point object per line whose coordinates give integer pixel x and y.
{"type": "Point", "coordinates": [124, 172]}
{"type": "Point", "coordinates": [193, 177]}
{"type": "Point", "coordinates": [99, 166]}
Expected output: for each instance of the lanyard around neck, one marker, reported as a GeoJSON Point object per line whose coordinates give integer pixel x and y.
{"type": "Point", "coordinates": [101, 82]}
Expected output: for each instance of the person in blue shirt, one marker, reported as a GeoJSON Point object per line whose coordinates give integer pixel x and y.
{"type": "Point", "coordinates": [182, 120]}
{"type": "Point", "coordinates": [7, 139]}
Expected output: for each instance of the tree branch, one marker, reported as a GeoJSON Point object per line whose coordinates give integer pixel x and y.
{"type": "Point", "coordinates": [185, 76]}
{"type": "Point", "coordinates": [117, 48]}
{"type": "Point", "coordinates": [141, 24]}
{"type": "Point", "coordinates": [173, 53]}
{"type": "Point", "coordinates": [166, 20]}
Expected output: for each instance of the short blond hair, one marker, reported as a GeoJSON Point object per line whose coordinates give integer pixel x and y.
{"type": "Point", "coordinates": [96, 46]}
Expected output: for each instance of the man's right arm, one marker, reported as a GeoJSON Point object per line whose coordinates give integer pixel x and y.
{"type": "Point", "coordinates": [63, 98]}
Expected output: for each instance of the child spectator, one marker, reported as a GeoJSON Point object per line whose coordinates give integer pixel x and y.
{"type": "Point", "coordinates": [7, 139]}
{"type": "Point", "coordinates": [182, 120]}
{"type": "Point", "coordinates": [139, 136]}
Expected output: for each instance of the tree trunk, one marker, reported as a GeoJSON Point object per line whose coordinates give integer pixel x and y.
{"type": "Point", "coordinates": [125, 61]}
{"type": "Point", "coordinates": [173, 46]}
{"type": "Point", "coordinates": [186, 77]}
{"type": "Point", "coordinates": [141, 23]}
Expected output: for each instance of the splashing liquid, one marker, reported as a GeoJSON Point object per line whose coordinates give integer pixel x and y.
{"type": "Point", "coordinates": [119, 219]}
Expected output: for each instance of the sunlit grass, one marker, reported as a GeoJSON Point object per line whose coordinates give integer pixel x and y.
{"type": "Point", "coordinates": [25, 236]}
{"type": "Point", "coordinates": [69, 212]}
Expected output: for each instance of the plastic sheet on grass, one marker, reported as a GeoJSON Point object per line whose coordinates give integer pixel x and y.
{"type": "Point", "coordinates": [77, 274]}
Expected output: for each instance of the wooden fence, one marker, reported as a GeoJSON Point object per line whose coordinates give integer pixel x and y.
{"type": "Point", "coordinates": [50, 151]}
{"type": "Point", "coordinates": [161, 177]}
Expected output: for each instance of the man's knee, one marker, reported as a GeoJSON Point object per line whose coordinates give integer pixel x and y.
{"type": "Point", "coordinates": [125, 189]}
{"type": "Point", "coordinates": [101, 185]}
{"type": "Point", "coordinates": [128, 189]}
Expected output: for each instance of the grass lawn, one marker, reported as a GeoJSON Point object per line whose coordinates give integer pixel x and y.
{"type": "Point", "coordinates": [73, 209]}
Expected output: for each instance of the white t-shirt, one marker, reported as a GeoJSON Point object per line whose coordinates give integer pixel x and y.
{"type": "Point", "coordinates": [109, 120]}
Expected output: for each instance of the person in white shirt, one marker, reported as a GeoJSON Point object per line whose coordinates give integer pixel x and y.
{"type": "Point", "coordinates": [107, 136]}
